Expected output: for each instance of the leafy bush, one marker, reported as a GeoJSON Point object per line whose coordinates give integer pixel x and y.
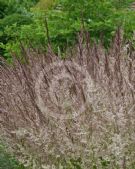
{"type": "Point", "coordinates": [3, 7]}
{"type": "Point", "coordinates": [13, 13]}
{"type": "Point", "coordinates": [60, 21]}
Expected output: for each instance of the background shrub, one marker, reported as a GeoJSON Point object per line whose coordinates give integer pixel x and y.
{"type": "Point", "coordinates": [60, 21]}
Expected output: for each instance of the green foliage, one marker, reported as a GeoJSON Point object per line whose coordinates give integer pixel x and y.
{"type": "Point", "coordinates": [7, 161]}
{"type": "Point", "coordinates": [73, 164]}
{"type": "Point", "coordinates": [45, 4]}
{"type": "Point", "coordinates": [13, 14]}
{"type": "Point", "coordinates": [59, 21]}
{"type": "Point", "coordinates": [3, 7]}
{"type": "Point", "coordinates": [104, 163]}
{"type": "Point", "coordinates": [100, 18]}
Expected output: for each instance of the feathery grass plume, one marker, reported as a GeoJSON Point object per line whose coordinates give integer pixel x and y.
{"type": "Point", "coordinates": [78, 111]}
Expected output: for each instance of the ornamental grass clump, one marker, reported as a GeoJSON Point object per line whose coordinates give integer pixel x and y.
{"type": "Point", "coordinates": [75, 112]}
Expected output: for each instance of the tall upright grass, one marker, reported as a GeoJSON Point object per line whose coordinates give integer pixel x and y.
{"type": "Point", "coordinates": [76, 112]}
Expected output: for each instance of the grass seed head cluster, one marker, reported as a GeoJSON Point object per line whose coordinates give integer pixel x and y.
{"type": "Point", "coordinates": [76, 111]}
